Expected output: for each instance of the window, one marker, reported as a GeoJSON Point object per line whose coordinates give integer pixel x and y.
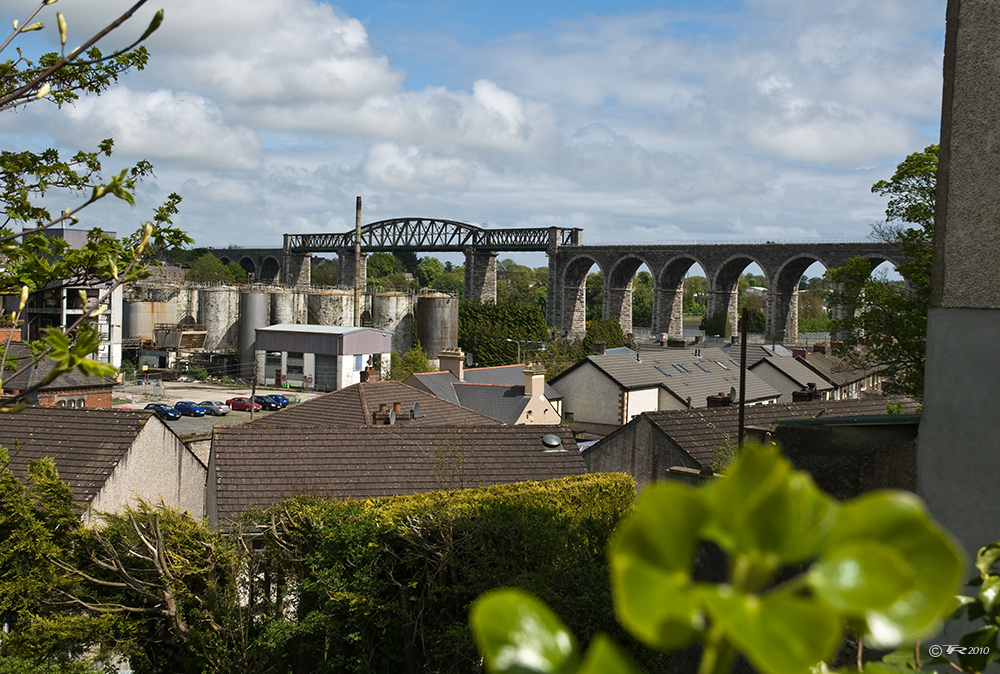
{"type": "Point", "coordinates": [359, 363]}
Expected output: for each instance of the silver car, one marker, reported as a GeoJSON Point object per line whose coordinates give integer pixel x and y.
{"type": "Point", "coordinates": [214, 407]}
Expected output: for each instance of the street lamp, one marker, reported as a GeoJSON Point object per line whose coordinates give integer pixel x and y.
{"type": "Point", "coordinates": [519, 342]}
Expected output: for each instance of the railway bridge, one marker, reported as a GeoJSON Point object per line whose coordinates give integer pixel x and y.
{"type": "Point", "coordinates": [570, 261]}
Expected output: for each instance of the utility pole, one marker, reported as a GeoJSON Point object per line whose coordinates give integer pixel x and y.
{"type": "Point", "coordinates": [357, 265]}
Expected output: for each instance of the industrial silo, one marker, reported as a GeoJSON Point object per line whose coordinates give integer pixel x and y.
{"type": "Point", "coordinates": [393, 312]}
{"type": "Point", "coordinates": [437, 324]}
{"type": "Point", "coordinates": [331, 307]}
{"type": "Point", "coordinates": [219, 312]}
{"type": "Point", "coordinates": [288, 307]}
{"type": "Point", "coordinates": [254, 306]}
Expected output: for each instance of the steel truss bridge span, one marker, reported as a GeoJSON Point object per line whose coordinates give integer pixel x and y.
{"type": "Point", "coordinates": [425, 234]}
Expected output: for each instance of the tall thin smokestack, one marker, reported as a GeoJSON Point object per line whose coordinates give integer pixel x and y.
{"type": "Point", "coordinates": [357, 265]}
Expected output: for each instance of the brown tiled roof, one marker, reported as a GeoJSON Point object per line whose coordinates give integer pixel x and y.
{"type": "Point", "coordinates": [699, 431]}
{"type": "Point", "coordinates": [86, 444]}
{"type": "Point", "coordinates": [258, 466]}
{"type": "Point", "coordinates": [355, 405]}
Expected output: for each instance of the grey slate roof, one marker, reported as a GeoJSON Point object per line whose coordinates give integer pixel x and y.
{"type": "Point", "coordinates": [86, 444]}
{"type": "Point", "coordinates": [795, 370]}
{"type": "Point", "coordinates": [496, 400]}
{"type": "Point", "coordinates": [699, 431]}
{"type": "Point", "coordinates": [354, 405]}
{"type": "Point", "coordinates": [680, 372]}
{"type": "Point", "coordinates": [833, 369]}
{"type": "Point", "coordinates": [259, 466]}
{"type": "Point", "coordinates": [439, 383]}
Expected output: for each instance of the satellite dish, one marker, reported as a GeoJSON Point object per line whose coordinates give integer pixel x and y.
{"type": "Point", "coordinates": [552, 442]}
{"type": "Point", "coordinates": [415, 411]}
{"type": "Point", "coordinates": [468, 360]}
{"type": "Point", "coordinates": [392, 417]}
{"type": "Point", "coordinates": [732, 393]}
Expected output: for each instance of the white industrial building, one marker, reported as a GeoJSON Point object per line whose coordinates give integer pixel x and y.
{"type": "Point", "coordinates": [321, 357]}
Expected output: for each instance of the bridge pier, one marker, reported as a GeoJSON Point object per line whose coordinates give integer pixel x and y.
{"type": "Point", "coordinates": [345, 268]}
{"type": "Point", "coordinates": [668, 311]}
{"type": "Point", "coordinates": [296, 268]}
{"type": "Point", "coordinates": [617, 302]}
{"type": "Point", "coordinates": [480, 275]}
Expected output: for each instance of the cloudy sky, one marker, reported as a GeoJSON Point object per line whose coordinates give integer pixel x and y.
{"type": "Point", "coordinates": [638, 121]}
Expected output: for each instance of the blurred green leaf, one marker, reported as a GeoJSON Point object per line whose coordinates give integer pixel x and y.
{"type": "Point", "coordinates": [987, 557]}
{"type": "Point", "coordinates": [989, 593]}
{"type": "Point", "coordinates": [983, 639]}
{"type": "Point", "coordinates": [603, 657]}
{"type": "Point", "coordinates": [780, 633]}
{"type": "Point", "coordinates": [899, 520]}
{"type": "Point", "coordinates": [860, 576]}
{"type": "Point", "coordinates": [651, 558]}
{"type": "Point", "coordinates": [518, 634]}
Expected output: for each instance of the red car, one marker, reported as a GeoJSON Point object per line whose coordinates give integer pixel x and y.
{"type": "Point", "coordinates": [242, 404]}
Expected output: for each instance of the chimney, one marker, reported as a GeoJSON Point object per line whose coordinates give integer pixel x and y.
{"type": "Point", "coordinates": [819, 347]}
{"type": "Point", "coordinates": [396, 407]}
{"type": "Point", "coordinates": [799, 353]}
{"type": "Point", "coordinates": [453, 360]}
{"type": "Point", "coordinates": [599, 348]}
{"type": "Point", "coordinates": [534, 380]}
{"type": "Point", "coordinates": [720, 400]}
{"type": "Point", "coordinates": [382, 407]}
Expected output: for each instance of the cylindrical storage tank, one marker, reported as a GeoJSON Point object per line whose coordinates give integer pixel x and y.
{"type": "Point", "coordinates": [139, 318]}
{"type": "Point", "coordinates": [219, 312]}
{"type": "Point", "coordinates": [331, 307]}
{"type": "Point", "coordinates": [393, 312]}
{"type": "Point", "coordinates": [288, 307]}
{"type": "Point", "coordinates": [437, 324]}
{"type": "Point", "coordinates": [254, 314]}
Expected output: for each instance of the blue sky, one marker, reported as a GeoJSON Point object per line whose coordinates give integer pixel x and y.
{"type": "Point", "coordinates": [638, 121]}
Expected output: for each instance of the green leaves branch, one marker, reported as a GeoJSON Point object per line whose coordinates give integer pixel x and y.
{"type": "Point", "coordinates": [876, 565]}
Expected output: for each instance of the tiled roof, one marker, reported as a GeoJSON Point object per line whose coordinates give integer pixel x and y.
{"type": "Point", "coordinates": [355, 405]}
{"type": "Point", "coordinates": [795, 370]}
{"type": "Point", "coordinates": [699, 431]}
{"type": "Point", "coordinates": [86, 444]}
{"type": "Point", "coordinates": [73, 379]}
{"type": "Point", "coordinates": [834, 369]}
{"type": "Point", "coordinates": [440, 383]}
{"type": "Point", "coordinates": [498, 401]}
{"type": "Point", "coordinates": [259, 466]}
{"type": "Point", "coordinates": [680, 372]}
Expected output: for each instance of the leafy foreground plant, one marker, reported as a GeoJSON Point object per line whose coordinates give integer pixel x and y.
{"type": "Point", "coordinates": [876, 565]}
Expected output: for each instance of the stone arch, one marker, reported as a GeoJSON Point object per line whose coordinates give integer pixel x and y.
{"type": "Point", "coordinates": [618, 290]}
{"type": "Point", "coordinates": [574, 294]}
{"type": "Point", "coordinates": [249, 266]}
{"type": "Point", "coordinates": [783, 298]}
{"type": "Point", "coordinates": [668, 296]}
{"type": "Point", "coordinates": [723, 288]}
{"type": "Point", "coordinates": [270, 269]}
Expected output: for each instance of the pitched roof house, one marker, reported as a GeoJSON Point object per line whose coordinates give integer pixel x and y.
{"type": "Point", "coordinates": [108, 457]}
{"type": "Point", "coordinates": [600, 393]}
{"type": "Point", "coordinates": [352, 444]}
{"type": "Point", "coordinates": [71, 389]}
{"type": "Point", "coordinates": [514, 394]}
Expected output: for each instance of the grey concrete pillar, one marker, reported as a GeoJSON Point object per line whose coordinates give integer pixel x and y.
{"type": "Point", "coordinates": [958, 454]}
{"type": "Point", "coordinates": [345, 269]}
{"type": "Point", "coordinates": [480, 275]}
{"type": "Point", "coordinates": [296, 268]}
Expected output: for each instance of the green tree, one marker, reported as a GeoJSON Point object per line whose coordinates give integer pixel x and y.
{"type": "Point", "coordinates": [429, 270]}
{"type": "Point", "coordinates": [210, 269]}
{"type": "Point", "coordinates": [595, 295]}
{"type": "Point", "coordinates": [380, 265]}
{"type": "Point", "coordinates": [414, 360]}
{"type": "Point", "coordinates": [883, 325]}
{"type": "Point", "coordinates": [30, 182]}
{"type": "Point", "coordinates": [696, 295]}
{"type": "Point", "coordinates": [484, 327]}
{"type": "Point", "coordinates": [642, 299]}
{"type": "Point", "coordinates": [237, 274]}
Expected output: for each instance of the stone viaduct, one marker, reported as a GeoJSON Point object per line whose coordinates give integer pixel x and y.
{"type": "Point", "coordinates": [569, 263]}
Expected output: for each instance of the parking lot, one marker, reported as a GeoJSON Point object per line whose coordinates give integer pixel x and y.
{"type": "Point", "coordinates": [138, 396]}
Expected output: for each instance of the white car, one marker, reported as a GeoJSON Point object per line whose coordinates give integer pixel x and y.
{"type": "Point", "coordinates": [214, 407]}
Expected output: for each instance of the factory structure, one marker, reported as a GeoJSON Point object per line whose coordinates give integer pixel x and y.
{"type": "Point", "coordinates": [218, 326]}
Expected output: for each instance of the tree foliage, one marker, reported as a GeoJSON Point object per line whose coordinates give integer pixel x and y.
{"type": "Point", "coordinates": [484, 327]}
{"type": "Point", "coordinates": [884, 325]}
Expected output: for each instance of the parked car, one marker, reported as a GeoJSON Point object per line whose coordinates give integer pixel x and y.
{"type": "Point", "coordinates": [267, 402]}
{"type": "Point", "coordinates": [164, 411]}
{"type": "Point", "coordinates": [279, 400]}
{"type": "Point", "coordinates": [189, 409]}
{"type": "Point", "coordinates": [283, 398]}
{"type": "Point", "coordinates": [242, 404]}
{"type": "Point", "coordinates": [215, 407]}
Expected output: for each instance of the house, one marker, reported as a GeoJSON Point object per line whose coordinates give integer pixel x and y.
{"type": "Point", "coordinates": [108, 457]}
{"type": "Point", "coordinates": [72, 389]}
{"type": "Point", "coordinates": [845, 382]}
{"type": "Point", "coordinates": [791, 378]}
{"type": "Point", "coordinates": [663, 445]}
{"type": "Point", "coordinates": [376, 439]}
{"type": "Point", "coordinates": [514, 394]}
{"type": "Point", "coordinates": [321, 357]}
{"type": "Point", "coordinates": [602, 392]}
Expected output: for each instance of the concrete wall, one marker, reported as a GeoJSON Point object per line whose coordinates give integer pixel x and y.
{"type": "Point", "coordinates": [157, 466]}
{"type": "Point", "coordinates": [640, 450]}
{"type": "Point", "coordinates": [958, 459]}
{"type": "Point", "coordinates": [639, 401]}
{"type": "Point", "coordinates": [590, 397]}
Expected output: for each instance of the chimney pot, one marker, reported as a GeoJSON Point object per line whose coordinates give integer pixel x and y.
{"type": "Point", "coordinates": [396, 407]}
{"type": "Point", "coordinates": [382, 407]}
